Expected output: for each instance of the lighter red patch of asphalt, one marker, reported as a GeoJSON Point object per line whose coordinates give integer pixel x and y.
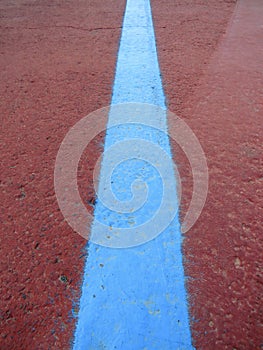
{"type": "Point", "coordinates": [214, 80]}
{"type": "Point", "coordinates": [57, 65]}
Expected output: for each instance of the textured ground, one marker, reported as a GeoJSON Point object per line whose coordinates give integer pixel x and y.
{"type": "Point", "coordinates": [211, 66]}
{"type": "Point", "coordinates": [57, 65]}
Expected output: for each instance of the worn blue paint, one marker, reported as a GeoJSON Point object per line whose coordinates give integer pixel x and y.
{"type": "Point", "coordinates": [134, 298]}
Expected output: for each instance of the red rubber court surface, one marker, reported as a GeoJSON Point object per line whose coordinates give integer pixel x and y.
{"type": "Point", "coordinates": [57, 65]}
{"type": "Point", "coordinates": [215, 57]}
{"type": "Point", "coordinates": [58, 61]}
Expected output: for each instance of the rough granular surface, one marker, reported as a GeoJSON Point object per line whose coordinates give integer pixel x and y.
{"type": "Point", "coordinates": [57, 65]}
{"type": "Point", "coordinates": [210, 58]}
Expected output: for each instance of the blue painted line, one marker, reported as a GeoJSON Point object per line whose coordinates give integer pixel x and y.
{"type": "Point", "coordinates": [135, 298]}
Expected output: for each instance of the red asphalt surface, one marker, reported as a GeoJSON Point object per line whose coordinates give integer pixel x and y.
{"type": "Point", "coordinates": [57, 65]}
